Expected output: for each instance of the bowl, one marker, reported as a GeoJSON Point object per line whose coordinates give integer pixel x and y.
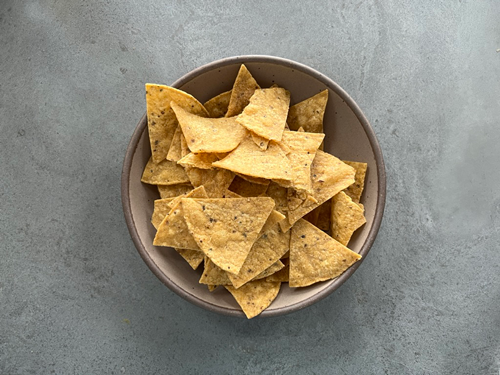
{"type": "Point", "coordinates": [349, 136]}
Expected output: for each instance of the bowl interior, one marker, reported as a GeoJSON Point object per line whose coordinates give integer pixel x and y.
{"type": "Point", "coordinates": [348, 136]}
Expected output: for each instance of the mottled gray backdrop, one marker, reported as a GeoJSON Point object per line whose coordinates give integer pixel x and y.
{"type": "Point", "coordinates": [76, 298]}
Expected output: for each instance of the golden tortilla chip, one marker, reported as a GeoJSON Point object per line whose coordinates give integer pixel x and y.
{"type": "Point", "coordinates": [175, 151]}
{"type": "Point", "coordinates": [303, 147]}
{"type": "Point", "coordinates": [275, 267]}
{"type": "Point", "coordinates": [329, 175]}
{"type": "Point", "coordinates": [164, 173]}
{"type": "Point", "coordinates": [161, 119]}
{"type": "Point", "coordinates": [213, 275]}
{"type": "Point", "coordinates": [266, 113]}
{"type": "Point", "coordinates": [243, 89]}
{"type": "Point", "coordinates": [250, 160]}
{"type": "Point", "coordinates": [173, 230]}
{"type": "Point", "coordinates": [245, 188]}
{"type": "Point", "coordinates": [193, 257]}
{"type": "Point", "coordinates": [215, 181]}
{"type": "Point", "coordinates": [266, 251]}
{"type": "Point", "coordinates": [262, 142]}
{"type": "Point", "coordinates": [202, 160]}
{"type": "Point", "coordinates": [161, 209]}
{"type": "Point", "coordinates": [255, 296]}
{"type": "Point", "coordinates": [355, 190]}
{"type": "Point", "coordinates": [169, 191]}
{"type": "Point", "coordinates": [346, 217]}
{"type": "Point", "coordinates": [315, 256]}
{"type": "Point", "coordinates": [281, 275]}
{"type": "Point", "coordinates": [324, 215]}
{"type": "Point", "coordinates": [226, 229]}
{"type": "Point", "coordinates": [217, 106]}
{"type": "Point", "coordinates": [209, 134]}
{"type": "Point", "coordinates": [199, 192]}
{"type": "Point", "coordinates": [309, 113]}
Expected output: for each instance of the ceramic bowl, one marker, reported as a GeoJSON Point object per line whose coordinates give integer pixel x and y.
{"type": "Point", "coordinates": [349, 136]}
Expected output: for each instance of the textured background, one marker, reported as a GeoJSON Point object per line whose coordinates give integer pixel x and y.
{"type": "Point", "coordinates": [75, 297]}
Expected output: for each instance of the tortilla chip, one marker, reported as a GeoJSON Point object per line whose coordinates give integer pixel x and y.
{"type": "Point", "coordinates": [250, 160]}
{"type": "Point", "coordinates": [211, 288]}
{"type": "Point", "coordinates": [168, 191]}
{"type": "Point", "coordinates": [262, 142]}
{"type": "Point", "coordinates": [202, 161]}
{"type": "Point", "coordinates": [266, 251]}
{"type": "Point", "coordinates": [329, 175]}
{"type": "Point", "coordinates": [199, 192]}
{"type": "Point", "coordinates": [175, 151]}
{"type": "Point", "coordinates": [346, 217]}
{"type": "Point", "coordinates": [161, 209]}
{"type": "Point", "coordinates": [209, 134]}
{"type": "Point", "coordinates": [324, 215]}
{"type": "Point", "coordinates": [282, 275]}
{"type": "Point", "coordinates": [356, 189]}
{"type": "Point", "coordinates": [246, 188]}
{"type": "Point", "coordinates": [309, 113]}
{"type": "Point", "coordinates": [213, 275]}
{"type": "Point", "coordinates": [275, 267]}
{"type": "Point", "coordinates": [217, 106]}
{"type": "Point", "coordinates": [215, 181]}
{"type": "Point", "coordinates": [279, 194]}
{"type": "Point", "coordinates": [161, 119]}
{"type": "Point", "coordinates": [193, 257]}
{"type": "Point", "coordinates": [226, 229]}
{"type": "Point", "coordinates": [164, 173]}
{"type": "Point", "coordinates": [303, 147]}
{"type": "Point", "coordinates": [255, 296]}
{"type": "Point", "coordinates": [173, 230]}
{"type": "Point", "coordinates": [315, 256]}
{"type": "Point", "coordinates": [266, 113]}
{"type": "Point", "coordinates": [184, 147]}
{"type": "Point", "coordinates": [243, 88]}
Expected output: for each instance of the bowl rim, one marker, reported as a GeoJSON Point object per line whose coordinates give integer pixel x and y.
{"type": "Point", "coordinates": [379, 210]}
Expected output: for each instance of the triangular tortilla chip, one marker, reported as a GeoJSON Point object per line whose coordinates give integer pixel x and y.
{"type": "Point", "coordinates": [274, 218]}
{"type": "Point", "coordinates": [160, 210]}
{"type": "Point", "coordinates": [173, 230]}
{"type": "Point", "coordinates": [267, 250]}
{"type": "Point", "coordinates": [243, 89]}
{"type": "Point", "coordinates": [255, 296]}
{"type": "Point", "coordinates": [226, 229]}
{"type": "Point", "coordinates": [309, 113]}
{"type": "Point", "coordinates": [217, 106]}
{"type": "Point", "coordinates": [202, 160]}
{"type": "Point", "coordinates": [246, 189]}
{"type": "Point", "coordinates": [346, 217]}
{"type": "Point", "coordinates": [175, 151]}
{"type": "Point", "coordinates": [329, 175]}
{"type": "Point", "coordinates": [303, 147]}
{"type": "Point", "coordinates": [250, 160]}
{"type": "Point", "coordinates": [168, 191]}
{"type": "Point", "coordinates": [315, 256]}
{"type": "Point", "coordinates": [266, 113]}
{"type": "Point", "coordinates": [161, 119]}
{"type": "Point", "coordinates": [199, 192]}
{"type": "Point", "coordinates": [213, 275]}
{"type": "Point", "coordinates": [215, 181]}
{"type": "Point", "coordinates": [209, 134]}
{"type": "Point", "coordinates": [165, 172]}
{"type": "Point", "coordinates": [355, 190]}
{"type": "Point", "coordinates": [193, 257]}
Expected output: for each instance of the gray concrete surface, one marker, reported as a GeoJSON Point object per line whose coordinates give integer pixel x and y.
{"type": "Point", "coordinates": [76, 298]}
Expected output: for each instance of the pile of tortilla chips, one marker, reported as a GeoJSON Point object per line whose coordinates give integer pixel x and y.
{"type": "Point", "coordinates": [247, 190]}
